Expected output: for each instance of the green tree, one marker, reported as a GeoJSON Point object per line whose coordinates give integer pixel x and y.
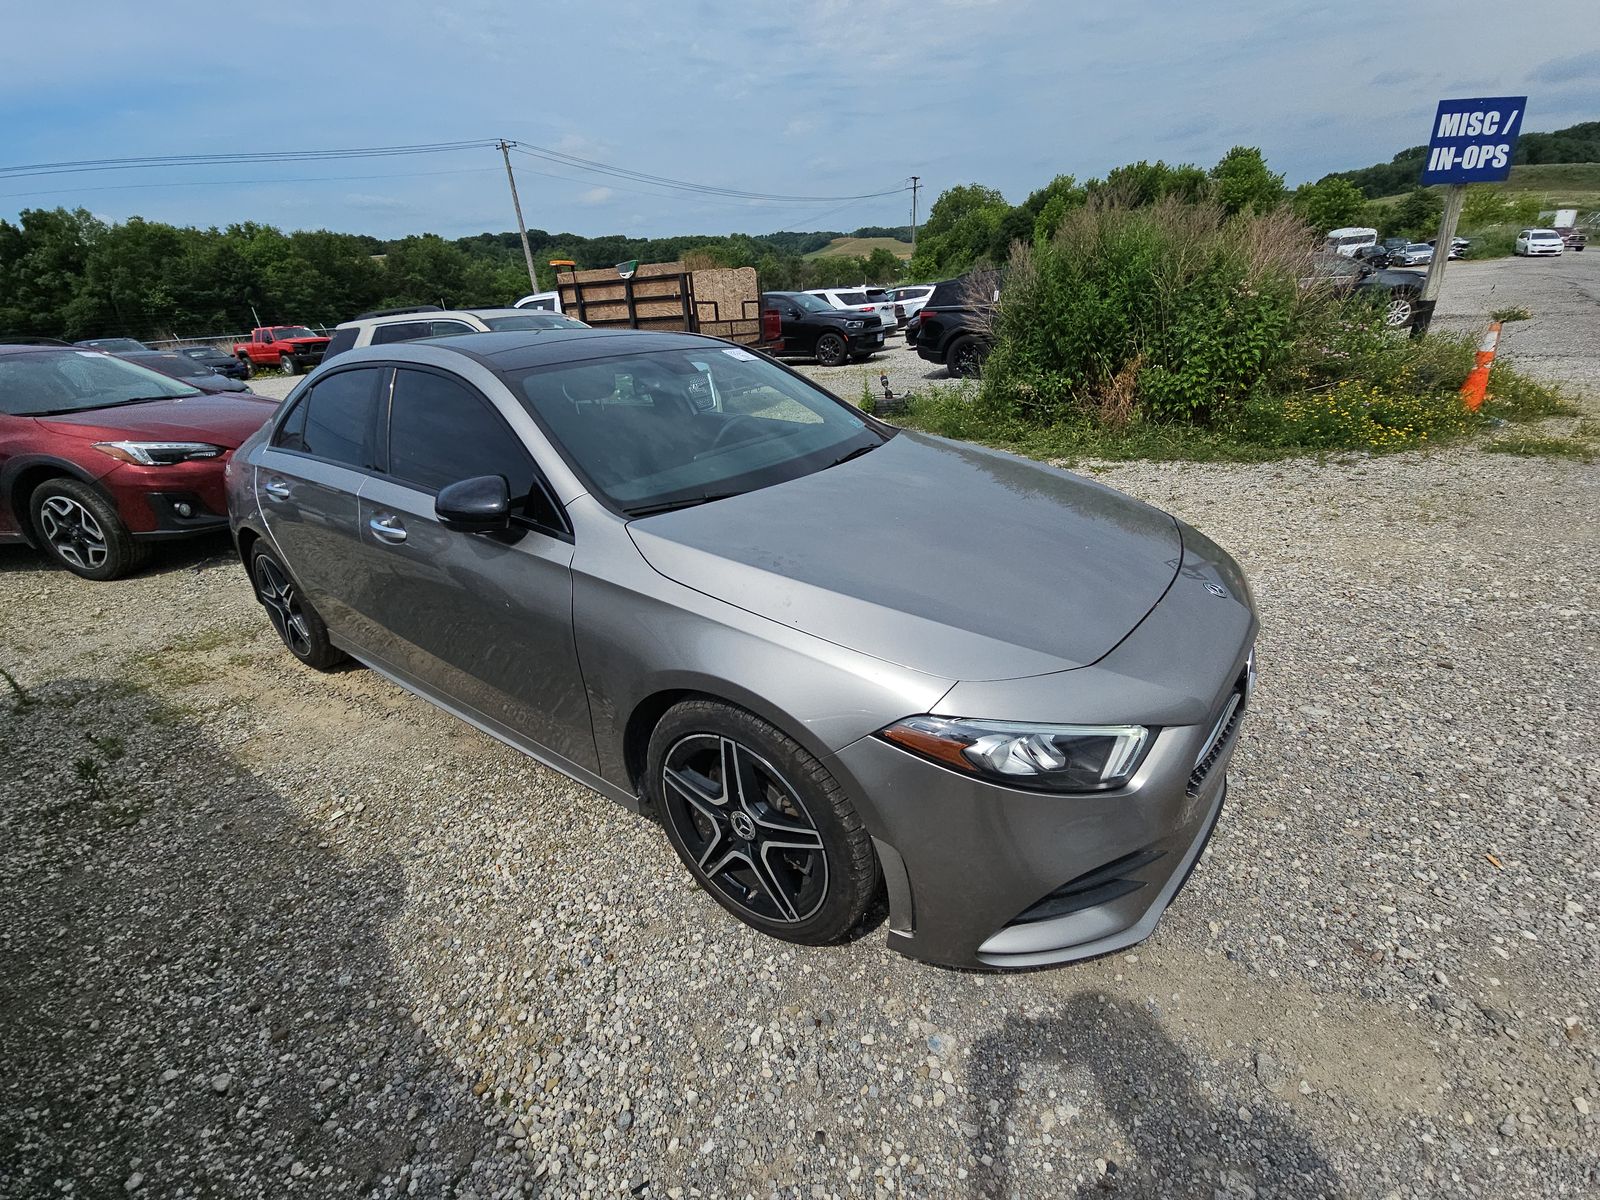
{"type": "Point", "coordinates": [1241, 182]}
{"type": "Point", "coordinates": [1331, 203]}
{"type": "Point", "coordinates": [961, 229]}
{"type": "Point", "coordinates": [883, 266]}
{"type": "Point", "coordinates": [1137, 184]}
{"type": "Point", "coordinates": [1416, 216]}
{"type": "Point", "coordinates": [42, 261]}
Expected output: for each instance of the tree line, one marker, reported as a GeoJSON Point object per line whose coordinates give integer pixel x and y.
{"type": "Point", "coordinates": [66, 273]}
{"type": "Point", "coordinates": [1575, 144]}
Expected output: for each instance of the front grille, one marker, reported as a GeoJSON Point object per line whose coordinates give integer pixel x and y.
{"type": "Point", "coordinates": [1221, 734]}
{"type": "Point", "coordinates": [1102, 885]}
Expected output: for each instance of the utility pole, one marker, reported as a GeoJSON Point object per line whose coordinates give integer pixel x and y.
{"type": "Point", "coordinates": [915, 183]}
{"type": "Point", "coordinates": [527, 253]}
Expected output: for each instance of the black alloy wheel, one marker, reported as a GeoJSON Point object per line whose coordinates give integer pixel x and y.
{"type": "Point", "coordinates": [291, 615]}
{"type": "Point", "coordinates": [831, 350]}
{"type": "Point", "coordinates": [966, 358]}
{"type": "Point", "coordinates": [761, 823]}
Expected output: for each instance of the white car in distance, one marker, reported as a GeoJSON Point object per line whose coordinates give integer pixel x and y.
{"type": "Point", "coordinates": [855, 300]}
{"type": "Point", "coordinates": [1532, 243]}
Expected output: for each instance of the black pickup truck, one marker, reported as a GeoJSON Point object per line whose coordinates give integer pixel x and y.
{"type": "Point", "coordinates": [796, 324]}
{"type": "Point", "coordinates": [953, 327]}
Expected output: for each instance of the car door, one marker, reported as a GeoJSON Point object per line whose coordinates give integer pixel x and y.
{"type": "Point", "coordinates": [307, 478]}
{"type": "Point", "coordinates": [799, 332]}
{"type": "Point", "coordinates": [480, 621]}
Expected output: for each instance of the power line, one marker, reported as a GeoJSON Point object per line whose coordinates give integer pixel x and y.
{"type": "Point", "coordinates": [79, 166]}
{"type": "Point", "coordinates": [599, 168]}
{"type": "Point", "coordinates": [123, 187]}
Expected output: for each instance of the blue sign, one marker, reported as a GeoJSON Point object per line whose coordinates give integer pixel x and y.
{"type": "Point", "coordinates": [1472, 140]}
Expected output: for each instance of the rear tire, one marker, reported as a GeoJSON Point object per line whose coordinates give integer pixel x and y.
{"type": "Point", "coordinates": [299, 626]}
{"type": "Point", "coordinates": [783, 849]}
{"type": "Point", "coordinates": [81, 530]}
{"type": "Point", "coordinates": [831, 351]}
{"type": "Point", "coordinates": [965, 358]}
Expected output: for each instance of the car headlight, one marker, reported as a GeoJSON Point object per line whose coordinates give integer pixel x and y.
{"type": "Point", "coordinates": [1055, 758]}
{"type": "Point", "coordinates": [854, 324]}
{"type": "Point", "coordinates": [158, 454]}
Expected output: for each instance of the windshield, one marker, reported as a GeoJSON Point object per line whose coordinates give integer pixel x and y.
{"type": "Point", "coordinates": [177, 366]}
{"type": "Point", "coordinates": [648, 431]}
{"type": "Point", "coordinates": [34, 384]}
{"type": "Point", "coordinates": [533, 320]}
{"type": "Point", "coordinates": [115, 345]}
{"type": "Point", "coordinates": [284, 332]}
{"type": "Point", "coordinates": [851, 297]}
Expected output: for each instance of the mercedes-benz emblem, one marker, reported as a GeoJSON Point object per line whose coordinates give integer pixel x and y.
{"type": "Point", "coordinates": [1217, 591]}
{"type": "Point", "coordinates": [743, 826]}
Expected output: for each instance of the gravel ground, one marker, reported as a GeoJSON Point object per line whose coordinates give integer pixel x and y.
{"type": "Point", "coordinates": [272, 933]}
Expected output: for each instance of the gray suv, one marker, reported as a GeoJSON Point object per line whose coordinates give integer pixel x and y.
{"type": "Point", "coordinates": [838, 661]}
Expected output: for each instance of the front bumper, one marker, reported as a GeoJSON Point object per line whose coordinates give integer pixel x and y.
{"type": "Point", "coordinates": [150, 500]}
{"type": "Point", "coordinates": [990, 877]}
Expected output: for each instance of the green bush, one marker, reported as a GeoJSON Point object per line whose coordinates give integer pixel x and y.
{"type": "Point", "coordinates": [1171, 331]}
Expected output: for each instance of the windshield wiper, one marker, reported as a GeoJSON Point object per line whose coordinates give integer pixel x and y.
{"type": "Point", "coordinates": [645, 510]}
{"type": "Point", "coordinates": [856, 453]}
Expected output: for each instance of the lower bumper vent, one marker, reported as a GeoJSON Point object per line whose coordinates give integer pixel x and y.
{"type": "Point", "coordinates": [1102, 885]}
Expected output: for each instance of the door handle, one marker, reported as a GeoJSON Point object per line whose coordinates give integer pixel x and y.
{"type": "Point", "coordinates": [387, 529]}
{"type": "Point", "coordinates": [276, 488]}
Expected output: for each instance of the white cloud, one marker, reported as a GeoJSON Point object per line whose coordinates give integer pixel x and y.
{"type": "Point", "coordinates": [597, 195]}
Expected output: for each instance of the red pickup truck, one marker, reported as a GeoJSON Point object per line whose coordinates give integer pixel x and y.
{"type": "Point", "coordinates": [287, 348]}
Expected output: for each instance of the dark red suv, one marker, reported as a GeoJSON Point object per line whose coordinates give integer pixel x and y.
{"type": "Point", "coordinates": [99, 457]}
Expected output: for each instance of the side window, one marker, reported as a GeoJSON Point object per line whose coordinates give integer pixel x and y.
{"type": "Point", "coordinates": [399, 331]}
{"type": "Point", "coordinates": [448, 328]}
{"type": "Point", "coordinates": [335, 419]}
{"type": "Point", "coordinates": [441, 431]}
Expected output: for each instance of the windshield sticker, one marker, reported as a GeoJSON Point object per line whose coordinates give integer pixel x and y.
{"type": "Point", "coordinates": [740, 354]}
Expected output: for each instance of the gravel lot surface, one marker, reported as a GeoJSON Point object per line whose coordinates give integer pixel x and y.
{"type": "Point", "coordinates": [271, 933]}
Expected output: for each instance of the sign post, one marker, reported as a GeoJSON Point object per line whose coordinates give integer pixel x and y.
{"type": "Point", "coordinates": [1471, 142]}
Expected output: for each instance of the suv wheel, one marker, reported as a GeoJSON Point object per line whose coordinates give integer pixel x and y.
{"type": "Point", "coordinates": [287, 364]}
{"type": "Point", "coordinates": [831, 350]}
{"type": "Point", "coordinates": [965, 358]}
{"type": "Point", "coordinates": [761, 824]}
{"type": "Point", "coordinates": [80, 529]}
{"type": "Point", "coordinates": [297, 623]}
{"type": "Point", "coordinates": [1401, 308]}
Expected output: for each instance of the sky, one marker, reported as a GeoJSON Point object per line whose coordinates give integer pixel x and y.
{"type": "Point", "coordinates": [824, 98]}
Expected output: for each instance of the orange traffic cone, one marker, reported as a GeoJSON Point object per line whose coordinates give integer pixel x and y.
{"type": "Point", "coordinates": [1477, 385]}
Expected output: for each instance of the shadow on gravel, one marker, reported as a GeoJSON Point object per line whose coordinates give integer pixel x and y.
{"type": "Point", "coordinates": [193, 987]}
{"type": "Point", "coordinates": [180, 554]}
{"type": "Point", "coordinates": [1182, 1144]}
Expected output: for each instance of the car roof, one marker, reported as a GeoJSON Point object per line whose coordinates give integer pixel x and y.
{"type": "Point", "coordinates": [15, 349]}
{"type": "Point", "coordinates": [517, 350]}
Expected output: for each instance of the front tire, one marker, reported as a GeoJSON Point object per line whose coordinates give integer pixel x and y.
{"type": "Point", "coordinates": [761, 824]}
{"type": "Point", "coordinates": [831, 350]}
{"type": "Point", "coordinates": [299, 626]}
{"type": "Point", "coordinates": [81, 530]}
{"type": "Point", "coordinates": [287, 364]}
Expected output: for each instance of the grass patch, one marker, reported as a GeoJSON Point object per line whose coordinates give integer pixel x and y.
{"type": "Point", "coordinates": [1510, 314]}
{"type": "Point", "coordinates": [1530, 446]}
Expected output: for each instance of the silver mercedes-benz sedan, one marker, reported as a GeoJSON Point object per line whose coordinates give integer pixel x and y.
{"type": "Point", "coordinates": [839, 661]}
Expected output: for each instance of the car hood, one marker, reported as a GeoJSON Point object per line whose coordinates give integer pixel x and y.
{"type": "Point", "coordinates": [219, 418]}
{"type": "Point", "coordinates": [310, 341]}
{"type": "Point", "coordinates": [954, 560]}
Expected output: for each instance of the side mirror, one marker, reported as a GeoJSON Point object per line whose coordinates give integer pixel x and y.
{"type": "Point", "coordinates": [478, 505]}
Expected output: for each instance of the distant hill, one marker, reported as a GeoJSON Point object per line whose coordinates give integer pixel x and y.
{"type": "Point", "coordinates": [861, 247]}
{"type": "Point", "coordinates": [1576, 144]}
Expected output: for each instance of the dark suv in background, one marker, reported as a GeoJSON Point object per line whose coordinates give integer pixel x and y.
{"type": "Point", "coordinates": [952, 329]}
{"type": "Point", "coordinates": [799, 324]}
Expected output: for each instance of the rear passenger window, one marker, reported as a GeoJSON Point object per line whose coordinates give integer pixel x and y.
{"type": "Point", "coordinates": [400, 331]}
{"type": "Point", "coordinates": [442, 431]}
{"type": "Point", "coordinates": [342, 340]}
{"type": "Point", "coordinates": [335, 420]}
